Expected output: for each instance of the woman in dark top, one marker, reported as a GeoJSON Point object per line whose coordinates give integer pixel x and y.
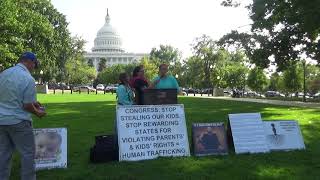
{"type": "Point", "coordinates": [139, 83]}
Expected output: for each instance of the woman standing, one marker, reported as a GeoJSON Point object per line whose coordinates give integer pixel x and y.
{"type": "Point", "coordinates": [139, 83]}
{"type": "Point", "coordinates": [125, 95]}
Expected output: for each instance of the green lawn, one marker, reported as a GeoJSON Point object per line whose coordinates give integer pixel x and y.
{"type": "Point", "coordinates": [88, 115]}
{"type": "Point", "coordinates": [317, 100]}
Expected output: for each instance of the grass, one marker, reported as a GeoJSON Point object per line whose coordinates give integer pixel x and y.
{"type": "Point", "coordinates": [88, 115]}
{"type": "Point", "coordinates": [316, 100]}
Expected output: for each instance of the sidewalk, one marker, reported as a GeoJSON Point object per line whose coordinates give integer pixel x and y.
{"type": "Point", "coordinates": [264, 101]}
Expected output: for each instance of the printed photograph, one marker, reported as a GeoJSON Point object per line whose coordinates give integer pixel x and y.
{"type": "Point", "coordinates": [48, 146]}
{"type": "Point", "coordinates": [209, 140]}
{"type": "Point", "coordinates": [275, 138]}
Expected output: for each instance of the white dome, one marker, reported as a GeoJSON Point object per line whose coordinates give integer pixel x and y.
{"type": "Point", "coordinates": [107, 39]}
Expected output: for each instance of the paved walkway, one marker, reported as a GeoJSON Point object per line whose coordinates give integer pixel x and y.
{"type": "Point", "coordinates": [264, 101]}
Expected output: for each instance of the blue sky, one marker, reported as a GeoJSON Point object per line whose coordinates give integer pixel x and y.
{"type": "Point", "coordinates": [144, 24]}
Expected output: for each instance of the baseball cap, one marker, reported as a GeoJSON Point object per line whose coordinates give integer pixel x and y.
{"type": "Point", "coordinates": [31, 56]}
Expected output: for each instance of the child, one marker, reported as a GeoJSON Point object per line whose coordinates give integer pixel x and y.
{"type": "Point", "coordinates": [125, 94]}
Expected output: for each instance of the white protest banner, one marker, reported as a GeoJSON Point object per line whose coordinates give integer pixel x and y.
{"type": "Point", "coordinates": [51, 148]}
{"type": "Point", "coordinates": [284, 135]}
{"type": "Point", "coordinates": [151, 131]}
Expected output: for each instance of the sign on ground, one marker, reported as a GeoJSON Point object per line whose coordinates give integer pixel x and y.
{"type": "Point", "coordinates": [209, 139]}
{"type": "Point", "coordinates": [248, 133]}
{"type": "Point", "coordinates": [51, 148]}
{"type": "Point", "coordinates": [284, 135]}
{"type": "Point", "coordinates": [151, 131]}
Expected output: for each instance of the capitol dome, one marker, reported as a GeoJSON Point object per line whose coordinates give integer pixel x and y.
{"type": "Point", "coordinates": [107, 40]}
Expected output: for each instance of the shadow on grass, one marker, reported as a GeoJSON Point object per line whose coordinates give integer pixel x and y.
{"type": "Point", "coordinates": [84, 120]}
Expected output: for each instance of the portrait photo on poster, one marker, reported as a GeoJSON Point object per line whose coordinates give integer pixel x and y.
{"type": "Point", "coordinates": [209, 139]}
{"type": "Point", "coordinates": [51, 148]}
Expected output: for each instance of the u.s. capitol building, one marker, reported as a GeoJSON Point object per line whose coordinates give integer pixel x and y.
{"type": "Point", "coordinates": [108, 45]}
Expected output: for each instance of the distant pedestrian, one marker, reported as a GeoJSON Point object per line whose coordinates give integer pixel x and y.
{"type": "Point", "coordinates": [17, 101]}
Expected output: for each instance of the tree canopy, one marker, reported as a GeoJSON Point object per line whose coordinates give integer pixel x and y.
{"type": "Point", "coordinates": [34, 25]}
{"type": "Point", "coordinates": [281, 32]}
{"type": "Point", "coordinates": [257, 80]}
{"type": "Point", "coordinates": [165, 54]}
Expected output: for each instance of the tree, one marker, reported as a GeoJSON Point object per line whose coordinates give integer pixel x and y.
{"type": "Point", "coordinates": [230, 3]}
{"type": "Point", "coordinates": [10, 44]}
{"type": "Point", "coordinates": [312, 78]}
{"type": "Point", "coordinates": [234, 76]}
{"type": "Point", "coordinates": [102, 64]}
{"type": "Point", "coordinates": [110, 75]}
{"type": "Point", "coordinates": [90, 63]}
{"type": "Point", "coordinates": [192, 72]}
{"type": "Point", "coordinates": [230, 70]}
{"type": "Point", "coordinates": [275, 82]}
{"type": "Point", "coordinates": [257, 79]}
{"type": "Point", "coordinates": [225, 69]}
{"type": "Point", "coordinates": [77, 70]}
{"type": "Point", "coordinates": [292, 79]}
{"type": "Point", "coordinates": [206, 52]}
{"type": "Point", "coordinates": [281, 30]}
{"type": "Point", "coordinates": [165, 54]}
{"type": "Point", "coordinates": [314, 86]}
{"type": "Point", "coordinates": [34, 25]}
{"type": "Point", "coordinates": [176, 69]}
{"type": "Point", "coordinates": [183, 82]}
{"type": "Point", "coordinates": [151, 70]}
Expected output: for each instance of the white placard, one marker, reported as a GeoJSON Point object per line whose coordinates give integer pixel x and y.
{"type": "Point", "coordinates": [248, 133]}
{"type": "Point", "coordinates": [283, 135]}
{"type": "Point", "coordinates": [151, 131]}
{"type": "Point", "coordinates": [51, 148]}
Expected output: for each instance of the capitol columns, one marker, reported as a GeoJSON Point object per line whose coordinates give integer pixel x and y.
{"type": "Point", "coordinates": [95, 63]}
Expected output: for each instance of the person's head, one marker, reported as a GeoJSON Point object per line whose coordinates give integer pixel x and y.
{"type": "Point", "coordinates": [163, 69]}
{"type": "Point", "coordinates": [209, 130]}
{"type": "Point", "coordinates": [47, 144]}
{"type": "Point", "coordinates": [138, 71]}
{"type": "Point", "coordinates": [29, 59]}
{"type": "Point", "coordinates": [124, 78]}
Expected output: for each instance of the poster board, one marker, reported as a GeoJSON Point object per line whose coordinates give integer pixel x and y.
{"type": "Point", "coordinates": [51, 148]}
{"type": "Point", "coordinates": [151, 131]}
{"type": "Point", "coordinates": [209, 139]}
{"type": "Point", "coordinates": [160, 96]}
{"type": "Point", "coordinates": [283, 135]}
{"type": "Point", "coordinates": [248, 133]}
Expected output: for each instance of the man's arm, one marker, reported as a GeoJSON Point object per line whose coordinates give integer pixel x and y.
{"type": "Point", "coordinates": [37, 104]}
{"type": "Point", "coordinates": [30, 107]}
{"type": "Point", "coordinates": [30, 102]}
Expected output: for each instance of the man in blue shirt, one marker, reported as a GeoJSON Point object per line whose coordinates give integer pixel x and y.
{"type": "Point", "coordinates": [165, 81]}
{"type": "Point", "coordinates": [17, 102]}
